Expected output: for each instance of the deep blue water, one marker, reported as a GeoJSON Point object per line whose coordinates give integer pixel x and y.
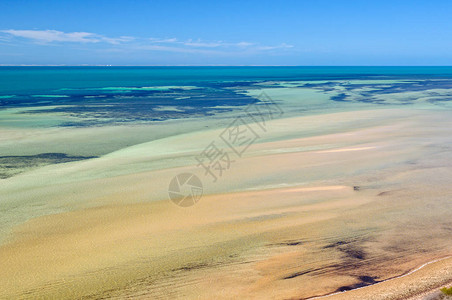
{"type": "Point", "coordinates": [99, 95]}
{"type": "Point", "coordinates": [44, 79]}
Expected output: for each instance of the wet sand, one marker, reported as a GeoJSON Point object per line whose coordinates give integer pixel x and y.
{"type": "Point", "coordinates": [319, 204]}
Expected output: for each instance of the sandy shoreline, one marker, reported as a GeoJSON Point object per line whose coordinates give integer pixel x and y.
{"type": "Point", "coordinates": [318, 204]}
{"type": "Point", "coordinates": [432, 284]}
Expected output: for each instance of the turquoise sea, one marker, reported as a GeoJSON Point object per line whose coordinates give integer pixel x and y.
{"type": "Point", "coordinates": [95, 96]}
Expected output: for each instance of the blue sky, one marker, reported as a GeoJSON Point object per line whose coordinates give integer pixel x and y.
{"type": "Point", "coordinates": [321, 32]}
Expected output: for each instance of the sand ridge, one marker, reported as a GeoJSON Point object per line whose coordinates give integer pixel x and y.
{"type": "Point", "coordinates": [306, 211]}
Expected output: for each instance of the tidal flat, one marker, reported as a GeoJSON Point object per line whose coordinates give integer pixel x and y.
{"type": "Point", "coordinates": [343, 193]}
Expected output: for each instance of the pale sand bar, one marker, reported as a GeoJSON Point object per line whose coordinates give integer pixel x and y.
{"type": "Point", "coordinates": [320, 203]}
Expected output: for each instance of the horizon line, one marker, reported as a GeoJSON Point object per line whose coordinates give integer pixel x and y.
{"type": "Point", "coordinates": [219, 65]}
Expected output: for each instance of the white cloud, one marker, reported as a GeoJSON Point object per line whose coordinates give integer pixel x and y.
{"type": "Point", "coordinates": [119, 40]}
{"type": "Point", "coordinates": [203, 44]}
{"type": "Point", "coordinates": [244, 44]}
{"type": "Point", "coordinates": [133, 43]}
{"type": "Point", "coordinates": [281, 46]}
{"type": "Point", "coordinates": [48, 36]}
{"type": "Point", "coordinates": [171, 40]}
{"type": "Point", "coordinates": [192, 43]}
{"type": "Point", "coordinates": [200, 44]}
